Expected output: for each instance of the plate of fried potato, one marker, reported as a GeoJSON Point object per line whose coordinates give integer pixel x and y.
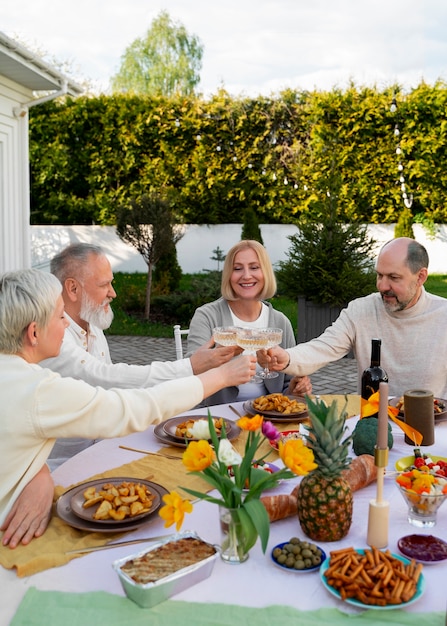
{"type": "Point", "coordinates": [278, 407]}
{"type": "Point", "coordinates": [114, 500]}
{"type": "Point", "coordinates": [70, 505]}
{"type": "Point", "coordinates": [372, 578]}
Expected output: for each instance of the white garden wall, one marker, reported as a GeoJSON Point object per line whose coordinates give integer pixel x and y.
{"type": "Point", "coordinates": [195, 249]}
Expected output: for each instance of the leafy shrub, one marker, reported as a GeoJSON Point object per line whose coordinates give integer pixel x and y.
{"type": "Point", "coordinates": [328, 263]}
{"type": "Point", "coordinates": [179, 306]}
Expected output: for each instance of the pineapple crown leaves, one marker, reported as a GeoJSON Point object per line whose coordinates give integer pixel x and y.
{"type": "Point", "coordinates": [324, 437]}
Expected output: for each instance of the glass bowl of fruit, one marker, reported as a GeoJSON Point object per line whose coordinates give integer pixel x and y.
{"type": "Point", "coordinates": [424, 492]}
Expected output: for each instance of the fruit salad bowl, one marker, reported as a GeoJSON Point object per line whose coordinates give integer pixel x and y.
{"type": "Point", "coordinates": [424, 493]}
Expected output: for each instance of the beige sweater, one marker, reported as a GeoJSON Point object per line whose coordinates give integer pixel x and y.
{"type": "Point", "coordinates": [414, 343]}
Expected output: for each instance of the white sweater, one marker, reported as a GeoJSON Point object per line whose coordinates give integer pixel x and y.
{"type": "Point", "coordinates": [87, 357]}
{"type": "Point", "coordinates": [414, 343]}
{"type": "Point", "coordinates": [38, 406]}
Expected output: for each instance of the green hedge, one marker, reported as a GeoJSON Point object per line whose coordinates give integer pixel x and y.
{"type": "Point", "coordinates": [275, 156]}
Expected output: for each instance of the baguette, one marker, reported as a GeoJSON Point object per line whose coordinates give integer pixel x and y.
{"type": "Point", "coordinates": [360, 473]}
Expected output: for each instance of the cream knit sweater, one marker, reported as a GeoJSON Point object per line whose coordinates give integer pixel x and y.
{"type": "Point", "coordinates": [414, 343]}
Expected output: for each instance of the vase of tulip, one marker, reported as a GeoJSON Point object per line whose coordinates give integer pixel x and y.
{"type": "Point", "coordinates": [239, 481]}
{"type": "Point", "coordinates": [234, 544]}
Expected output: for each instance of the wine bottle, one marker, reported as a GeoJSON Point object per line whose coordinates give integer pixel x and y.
{"type": "Point", "coordinates": [372, 376]}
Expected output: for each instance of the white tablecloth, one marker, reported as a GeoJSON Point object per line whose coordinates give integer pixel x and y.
{"type": "Point", "coordinates": [258, 582]}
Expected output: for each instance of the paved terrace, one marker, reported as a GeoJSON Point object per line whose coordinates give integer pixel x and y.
{"type": "Point", "coordinates": [337, 378]}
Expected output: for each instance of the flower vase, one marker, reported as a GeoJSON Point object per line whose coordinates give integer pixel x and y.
{"type": "Point", "coordinates": [234, 541]}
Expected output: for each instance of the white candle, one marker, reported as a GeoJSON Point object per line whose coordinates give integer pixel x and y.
{"type": "Point", "coordinates": [382, 426]}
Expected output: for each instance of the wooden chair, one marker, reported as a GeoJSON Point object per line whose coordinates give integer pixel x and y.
{"type": "Point", "coordinates": [178, 332]}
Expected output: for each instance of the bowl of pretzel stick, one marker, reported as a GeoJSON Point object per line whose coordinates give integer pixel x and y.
{"type": "Point", "coordinates": [373, 579]}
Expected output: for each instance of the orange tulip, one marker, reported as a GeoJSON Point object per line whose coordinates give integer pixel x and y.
{"type": "Point", "coordinates": [250, 423]}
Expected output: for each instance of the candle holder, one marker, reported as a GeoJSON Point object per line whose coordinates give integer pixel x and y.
{"type": "Point", "coordinates": [378, 514]}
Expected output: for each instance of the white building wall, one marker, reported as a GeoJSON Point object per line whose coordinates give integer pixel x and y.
{"type": "Point", "coordinates": [195, 249]}
{"type": "Point", "coordinates": [15, 238]}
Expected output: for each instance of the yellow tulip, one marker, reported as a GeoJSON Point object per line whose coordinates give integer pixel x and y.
{"type": "Point", "coordinates": [198, 456]}
{"type": "Point", "coordinates": [174, 510]}
{"type": "Point", "coordinates": [297, 456]}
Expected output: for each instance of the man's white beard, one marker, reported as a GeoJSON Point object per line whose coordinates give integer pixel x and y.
{"type": "Point", "coordinates": [96, 314]}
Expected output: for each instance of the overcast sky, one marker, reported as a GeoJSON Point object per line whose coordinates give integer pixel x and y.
{"type": "Point", "coordinates": [251, 47]}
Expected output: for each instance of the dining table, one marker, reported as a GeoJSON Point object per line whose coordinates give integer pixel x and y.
{"type": "Point", "coordinates": [254, 590]}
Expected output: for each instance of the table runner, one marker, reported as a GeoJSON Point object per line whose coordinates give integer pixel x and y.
{"type": "Point", "coordinates": [52, 608]}
{"type": "Point", "coordinates": [49, 550]}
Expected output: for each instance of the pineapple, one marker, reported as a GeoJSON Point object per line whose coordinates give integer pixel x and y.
{"type": "Point", "coordinates": [324, 496]}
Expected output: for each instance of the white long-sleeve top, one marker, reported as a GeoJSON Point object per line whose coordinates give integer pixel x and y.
{"type": "Point", "coordinates": [414, 343]}
{"type": "Point", "coordinates": [38, 406]}
{"type": "Point", "coordinates": [86, 356]}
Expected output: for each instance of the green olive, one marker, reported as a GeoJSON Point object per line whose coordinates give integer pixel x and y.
{"type": "Point", "coordinates": [306, 553]}
{"type": "Point", "coordinates": [282, 559]}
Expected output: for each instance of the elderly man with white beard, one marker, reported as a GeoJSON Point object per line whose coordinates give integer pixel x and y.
{"type": "Point", "coordinates": [87, 281]}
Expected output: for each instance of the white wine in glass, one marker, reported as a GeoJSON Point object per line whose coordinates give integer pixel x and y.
{"type": "Point", "coordinates": [251, 340]}
{"type": "Point", "coordinates": [225, 335]}
{"type": "Point", "coordinates": [274, 338]}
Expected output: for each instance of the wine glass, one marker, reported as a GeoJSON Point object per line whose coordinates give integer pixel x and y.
{"type": "Point", "coordinates": [274, 338]}
{"type": "Point", "coordinates": [225, 335]}
{"type": "Point", "coordinates": [251, 340]}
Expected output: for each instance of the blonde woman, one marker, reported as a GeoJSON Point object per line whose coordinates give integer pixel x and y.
{"type": "Point", "coordinates": [248, 281]}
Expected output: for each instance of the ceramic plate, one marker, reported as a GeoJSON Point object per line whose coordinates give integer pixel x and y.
{"type": "Point", "coordinates": [297, 571]}
{"type": "Point", "coordinates": [170, 425]}
{"type": "Point", "coordinates": [180, 443]}
{"type": "Point", "coordinates": [406, 462]}
{"type": "Point", "coordinates": [292, 434]}
{"type": "Point", "coordinates": [420, 587]}
{"type": "Point", "coordinates": [64, 511]}
{"type": "Point", "coordinates": [77, 500]}
{"type": "Point", "coordinates": [439, 417]}
{"type": "Point", "coordinates": [426, 549]}
{"type": "Point", "coordinates": [277, 416]}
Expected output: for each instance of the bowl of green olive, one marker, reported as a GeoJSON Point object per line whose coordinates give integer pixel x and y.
{"type": "Point", "coordinates": [298, 555]}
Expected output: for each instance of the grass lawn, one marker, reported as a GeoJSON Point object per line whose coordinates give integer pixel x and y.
{"type": "Point", "coordinates": [130, 290]}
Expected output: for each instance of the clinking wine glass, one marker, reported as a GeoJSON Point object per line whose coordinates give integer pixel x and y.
{"type": "Point", "coordinates": [225, 335]}
{"type": "Point", "coordinates": [274, 338]}
{"type": "Point", "coordinates": [251, 340]}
